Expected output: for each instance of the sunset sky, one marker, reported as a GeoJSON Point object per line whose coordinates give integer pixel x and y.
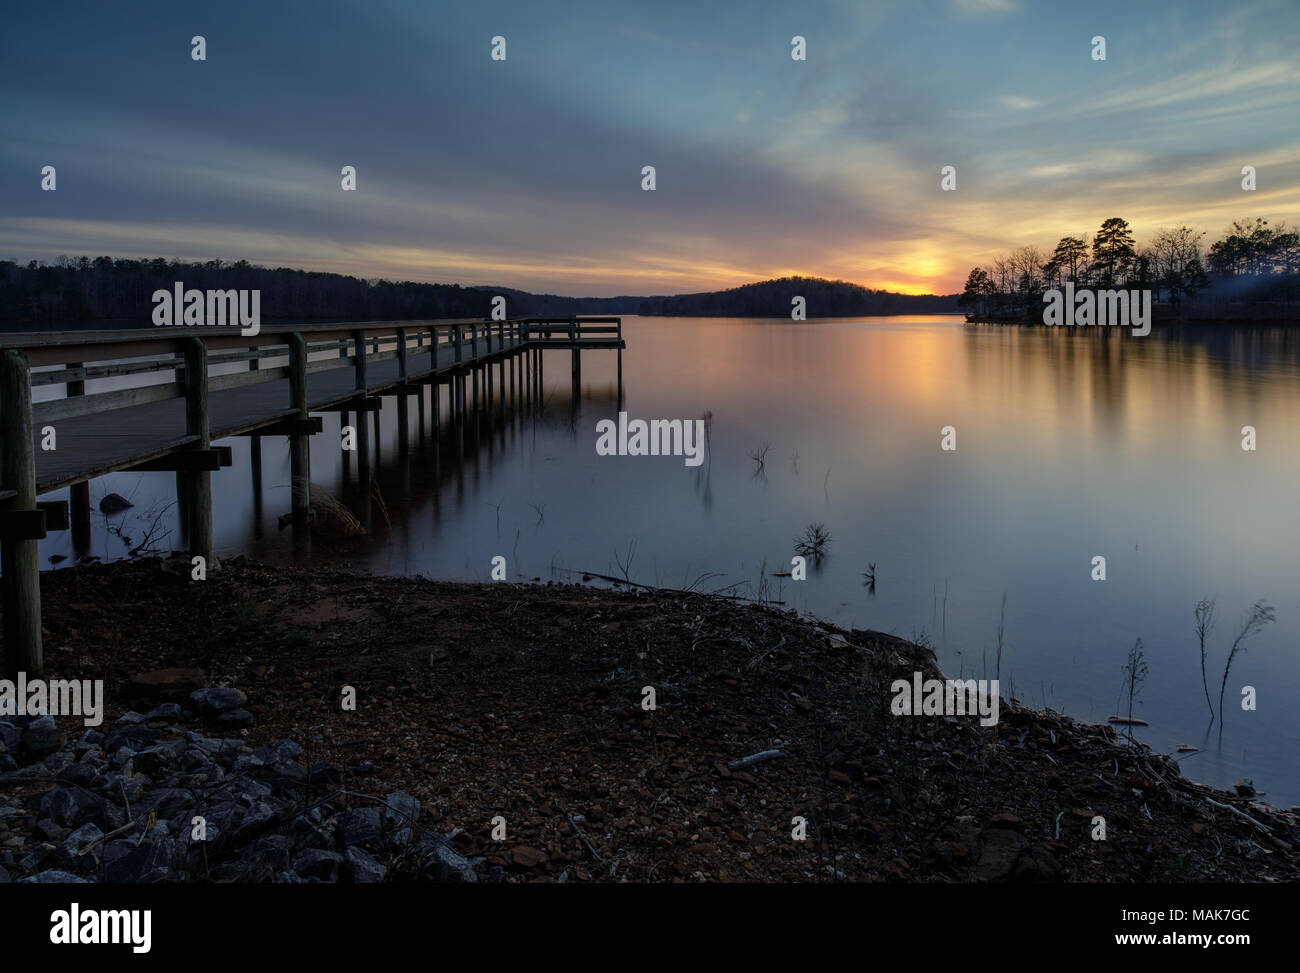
{"type": "Point", "coordinates": [527, 172]}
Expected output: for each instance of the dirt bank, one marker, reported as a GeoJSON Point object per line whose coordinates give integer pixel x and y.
{"type": "Point", "coordinates": [525, 702]}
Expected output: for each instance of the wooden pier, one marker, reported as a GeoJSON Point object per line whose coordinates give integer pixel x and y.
{"type": "Point", "coordinates": [192, 386]}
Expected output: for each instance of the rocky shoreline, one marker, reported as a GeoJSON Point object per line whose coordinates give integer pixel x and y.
{"type": "Point", "coordinates": [148, 801]}
{"type": "Point", "coordinates": [499, 733]}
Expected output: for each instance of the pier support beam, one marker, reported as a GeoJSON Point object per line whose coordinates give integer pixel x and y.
{"type": "Point", "coordinates": [18, 556]}
{"type": "Point", "coordinates": [197, 499]}
{"type": "Point", "coordinates": [299, 445]}
{"type": "Point", "coordinates": [255, 462]}
{"type": "Point", "coordinates": [79, 493]}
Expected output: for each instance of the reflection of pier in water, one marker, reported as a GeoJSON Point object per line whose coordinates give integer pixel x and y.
{"type": "Point", "coordinates": [257, 386]}
{"type": "Point", "coordinates": [408, 475]}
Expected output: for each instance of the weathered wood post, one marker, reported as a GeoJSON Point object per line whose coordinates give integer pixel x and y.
{"type": "Point", "coordinates": [79, 493]}
{"type": "Point", "coordinates": [198, 485]}
{"type": "Point", "coordinates": [403, 420]}
{"type": "Point", "coordinates": [299, 442]}
{"type": "Point", "coordinates": [255, 463]}
{"type": "Point", "coordinates": [18, 556]}
{"type": "Point", "coordinates": [347, 454]}
{"type": "Point", "coordinates": [574, 334]}
{"type": "Point", "coordinates": [363, 427]}
{"type": "Point", "coordinates": [457, 391]}
{"type": "Point", "coordinates": [473, 355]}
{"type": "Point", "coordinates": [359, 365]}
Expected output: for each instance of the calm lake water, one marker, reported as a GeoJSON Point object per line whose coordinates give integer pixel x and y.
{"type": "Point", "coordinates": [1070, 444]}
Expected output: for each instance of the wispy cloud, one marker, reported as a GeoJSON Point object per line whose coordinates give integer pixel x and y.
{"type": "Point", "coordinates": [984, 8]}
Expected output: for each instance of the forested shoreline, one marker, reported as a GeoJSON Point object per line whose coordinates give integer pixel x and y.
{"type": "Point", "coordinates": [75, 291]}
{"type": "Point", "coordinates": [1251, 274]}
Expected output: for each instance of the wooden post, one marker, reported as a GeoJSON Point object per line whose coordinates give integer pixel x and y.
{"type": "Point", "coordinates": [473, 368]}
{"type": "Point", "coordinates": [79, 493]}
{"type": "Point", "coordinates": [359, 340]}
{"type": "Point", "coordinates": [18, 558]}
{"type": "Point", "coordinates": [401, 353]}
{"type": "Point", "coordinates": [299, 443]}
{"type": "Point", "coordinates": [456, 393]}
{"type": "Point", "coordinates": [574, 334]}
{"type": "Point", "coordinates": [198, 485]}
{"type": "Point", "coordinates": [347, 453]}
{"type": "Point", "coordinates": [255, 462]}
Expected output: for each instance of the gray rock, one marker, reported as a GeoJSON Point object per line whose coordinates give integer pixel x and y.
{"type": "Point", "coordinates": [273, 850]}
{"type": "Point", "coordinates": [53, 876]}
{"type": "Point", "coordinates": [56, 761]}
{"type": "Point", "coordinates": [114, 503]}
{"type": "Point", "coordinates": [214, 701]}
{"type": "Point", "coordinates": [130, 718]}
{"type": "Point", "coordinates": [150, 862]}
{"type": "Point", "coordinates": [11, 736]}
{"type": "Point", "coordinates": [79, 839]}
{"type": "Point", "coordinates": [309, 834]}
{"type": "Point", "coordinates": [401, 814]}
{"type": "Point", "coordinates": [260, 815]}
{"type": "Point", "coordinates": [72, 806]}
{"type": "Point", "coordinates": [286, 778]}
{"type": "Point", "coordinates": [4, 876]}
{"type": "Point", "coordinates": [170, 801]}
{"type": "Point", "coordinates": [42, 737]}
{"type": "Point", "coordinates": [363, 867]}
{"type": "Point", "coordinates": [154, 759]}
{"type": "Point", "coordinates": [445, 865]}
{"type": "Point", "coordinates": [134, 737]}
{"type": "Point", "coordinates": [236, 719]}
{"type": "Point", "coordinates": [113, 850]}
{"type": "Point", "coordinates": [167, 711]}
{"type": "Point", "coordinates": [318, 863]}
{"type": "Point", "coordinates": [83, 775]}
{"type": "Point", "coordinates": [363, 826]}
{"type": "Point", "coordinates": [281, 751]}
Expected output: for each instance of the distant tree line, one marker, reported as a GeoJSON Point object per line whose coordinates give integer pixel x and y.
{"type": "Point", "coordinates": [773, 298]}
{"type": "Point", "coordinates": [83, 289]}
{"type": "Point", "coordinates": [80, 289]}
{"type": "Point", "coordinates": [1254, 262]}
